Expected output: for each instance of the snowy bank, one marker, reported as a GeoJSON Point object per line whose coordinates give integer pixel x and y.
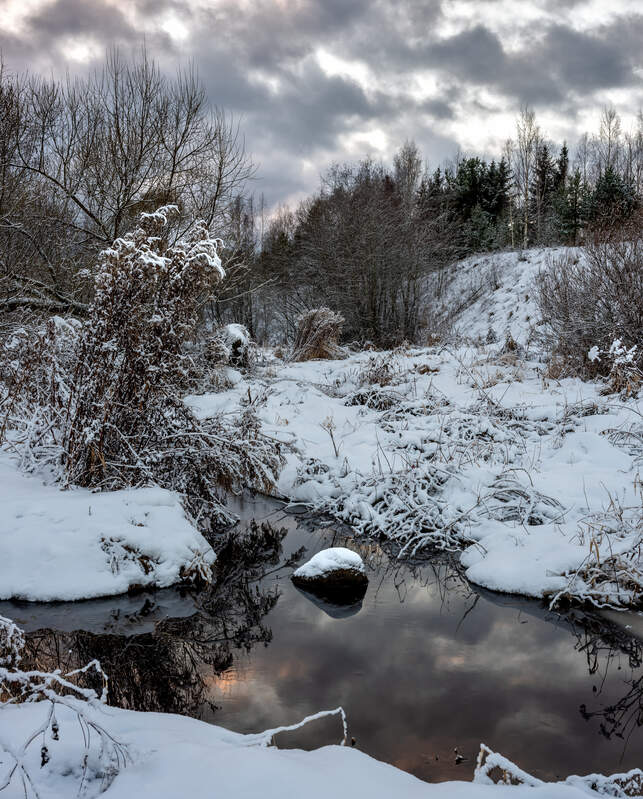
{"type": "Point", "coordinates": [495, 293]}
{"type": "Point", "coordinates": [174, 756]}
{"type": "Point", "coordinates": [75, 544]}
{"type": "Point", "coordinates": [470, 446]}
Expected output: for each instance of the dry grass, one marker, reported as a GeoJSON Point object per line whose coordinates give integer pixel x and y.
{"type": "Point", "coordinates": [317, 336]}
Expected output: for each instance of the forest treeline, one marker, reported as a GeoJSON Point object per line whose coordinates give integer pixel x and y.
{"type": "Point", "coordinates": [81, 158]}
{"type": "Point", "coordinates": [373, 240]}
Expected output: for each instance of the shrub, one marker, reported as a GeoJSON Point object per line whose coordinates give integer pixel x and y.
{"type": "Point", "coordinates": [317, 335]}
{"type": "Point", "coordinates": [101, 402]}
{"type": "Point", "coordinates": [237, 340]}
{"type": "Point", "coordinates": [590, 302]}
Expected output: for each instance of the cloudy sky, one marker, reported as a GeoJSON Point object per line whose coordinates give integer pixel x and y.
{"type": "Point", "coordinates": [317, 81]}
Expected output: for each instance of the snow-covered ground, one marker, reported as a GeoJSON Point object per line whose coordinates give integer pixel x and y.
{"type": "Point", "coordinates": [469, 446]}
{"type": "Point", "coordinates": [495, 292]}
{"type": "Point", "coordinates": [173, 756]}
{"type": "Point", "coordinates": [75, 544]}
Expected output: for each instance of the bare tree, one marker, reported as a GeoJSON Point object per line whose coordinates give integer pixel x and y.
{"type": "Point", "coordinates": [634, 156]}
{"type": "Point", "coordinates": [95, 153]}
{"type": "Point", "coordinates": [609, 139]}
{"type": "Point", "coordinates": [528, 136]}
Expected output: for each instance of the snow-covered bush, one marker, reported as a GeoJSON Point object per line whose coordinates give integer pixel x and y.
{"type": "Point", "coordinates": [624, 373]}
{"type": "Point", "coordinates": [230, 345]}
{"type": "Point", "coordinates": [36, 368]}
{"type": "Point", "coordinates": [612, 573]}
{"type": "Point", "coordinates": [590, 301]}
{"type": "Point", "coordinates": [405, 507]}
{"type": "Point", "coordinates": [237, 340]}
{"type": "Point", "coordinates": [380, 370]}
{"type": "Point", "coordinates": [101, 402]}
{"type": "Point", "coordinates": [102, 756]}
{"type": "Point", "coordinates": [317, 336]}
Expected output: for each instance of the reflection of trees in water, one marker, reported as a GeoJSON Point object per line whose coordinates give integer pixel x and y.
{"type": "Point", "coordinates": [167, 669]}
{"type": "Point", "coordinates": [624, 716]}
{"type": "Point", "coordinates": [603, 644]}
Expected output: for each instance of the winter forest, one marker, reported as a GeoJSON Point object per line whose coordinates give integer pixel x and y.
{"type": "Point", "coordinates": [338, 493]}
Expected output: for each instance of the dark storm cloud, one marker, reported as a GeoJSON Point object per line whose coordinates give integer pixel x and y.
{"type": "Point", "coordinates": [586, 62]}
{"type": "Point", "coordinates": [270, 36]}
{"type": "Point", "coordinates": [258, 59]}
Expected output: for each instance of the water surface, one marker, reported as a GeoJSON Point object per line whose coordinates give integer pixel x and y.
{"type": "Point", "coordinates": [425, 665]}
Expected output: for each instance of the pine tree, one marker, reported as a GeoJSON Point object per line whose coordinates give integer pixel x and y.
{"type": "Point", "coordinates": [571, 208]}
{"type": "Point", "coordinates": [562, 168]}
{"type": "Point", "coordinates": [613, 199]}
{"type": "Point", "coordinates": [498, 181]}
{"type": "Point", "coordinates": [542, 189]}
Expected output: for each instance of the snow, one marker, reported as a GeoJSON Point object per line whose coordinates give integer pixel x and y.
{"type": "Point", "coordinates": [75, 544]}
{"type": "Point", "coordinates": [466, 446]}
{"type": "Point", "coordinates": [329, 560]}
{"type": "Point", "coordinates": [502, 288]}
{"type": "Point", "coordinates": [177, 756]}
{"type": "Point", "coordinates": [235, 333]}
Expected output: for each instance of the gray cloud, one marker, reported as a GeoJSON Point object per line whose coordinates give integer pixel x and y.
{"type": "Point", "coordinates": [71, 18]}
{"type": "Point", "coordinates": [474, 55]}
{"type": "Point", "coordinates": [260, 61]}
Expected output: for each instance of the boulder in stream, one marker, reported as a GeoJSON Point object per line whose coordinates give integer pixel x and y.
{"type": "Point", "coordinates": [336, 573]}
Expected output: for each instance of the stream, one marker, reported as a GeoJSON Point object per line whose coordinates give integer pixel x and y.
{"type": "Point", "coordinates": [425, 665]}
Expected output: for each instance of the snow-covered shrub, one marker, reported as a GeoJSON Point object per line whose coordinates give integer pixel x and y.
{"type": "Point", "coordinates": [380, 370]}
{"type": "Point", "coordinates": [624, 374]}
{"type": "Point", "coordinates": [590, 301]}
{"type": "Point", "coordinates": [612, 573]}
{"type": "Point", "coordinates": [237, 340]}
{"type": "Point", "coordinates": [36, 368]}
{"type": "Point", "coordinates": [110, 414]}
{"type": "Point", "coordinates": [216, 350]}
{"type": "Point", "coordinates": [102, 756]}
{"type": "Point", "coordinates": [403, 507]}
{"type": "Point", "coordinates": [508, 500]}
{"type": "Point", "coordinates": [375, 398]}
{"type": "Point", "coordinates": [493, 768]}
{"type": "Point", "coordinates": [317, 336]}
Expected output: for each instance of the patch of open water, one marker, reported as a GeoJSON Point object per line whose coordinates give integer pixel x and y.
{"type": "Point", "coordinates": [425, 664]}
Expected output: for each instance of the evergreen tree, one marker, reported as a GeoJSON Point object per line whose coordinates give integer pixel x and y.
{"type": "Point", "coordinates": [613, 199]}
{"type": "Point", "coordinates": [542, 190]}
{"type": "Point", "coordinates": [470, 186]}
{"type": "Point", "coordinates": [498, 182]}
{"type": "Point", "coordinates": [571, 208]}
{"type": "Point", "coordinates": [562, 168]}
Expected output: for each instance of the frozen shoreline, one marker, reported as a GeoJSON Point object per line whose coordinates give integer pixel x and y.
{"type": "Point", "coordinates": [174, 756]}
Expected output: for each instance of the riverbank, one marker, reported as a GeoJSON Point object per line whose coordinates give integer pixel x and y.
{"type": "Point", "coordinates": [171, 756]}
